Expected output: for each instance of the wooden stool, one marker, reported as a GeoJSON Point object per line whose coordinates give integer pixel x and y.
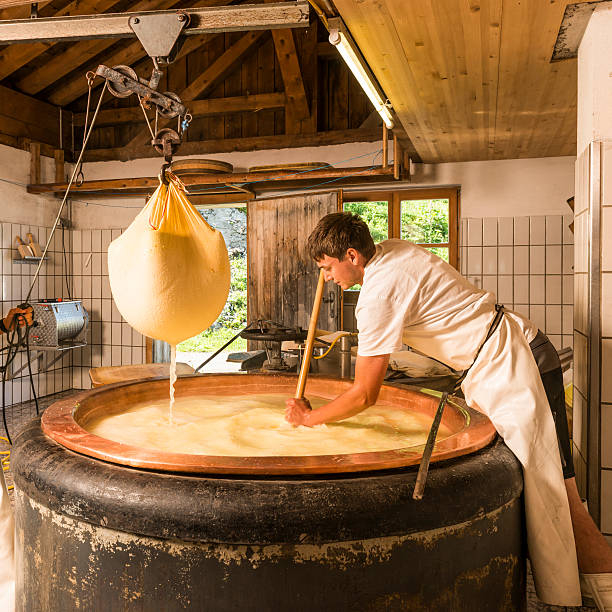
{"type": "Point", "coordinates": [142, 371]}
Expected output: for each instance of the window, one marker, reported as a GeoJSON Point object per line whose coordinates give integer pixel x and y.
{"type": "Point", "coordinates": [428, 217]}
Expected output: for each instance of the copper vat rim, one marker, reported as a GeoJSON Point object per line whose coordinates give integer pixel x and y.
{"type": "Point", "coordinates": [59, 422]}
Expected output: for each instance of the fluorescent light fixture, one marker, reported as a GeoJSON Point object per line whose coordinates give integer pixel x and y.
{"type": "Point", "coordinates": [341, 39]}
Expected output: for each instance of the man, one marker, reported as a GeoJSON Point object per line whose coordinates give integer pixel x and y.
{"type": "Point", "coordinates": [410, 296]}
{"type": "Point", "coordinates": [21, 317]}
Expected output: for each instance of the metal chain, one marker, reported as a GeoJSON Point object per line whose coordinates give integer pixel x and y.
{"type": "Point", "coordinates": [91, 76]}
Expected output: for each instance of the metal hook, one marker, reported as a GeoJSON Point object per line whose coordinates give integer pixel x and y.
{"type": "Point", "coordinates": [162, 173]}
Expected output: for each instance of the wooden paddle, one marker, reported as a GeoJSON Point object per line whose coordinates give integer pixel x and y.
{"type": "Point", "coordinates": [316, 307]}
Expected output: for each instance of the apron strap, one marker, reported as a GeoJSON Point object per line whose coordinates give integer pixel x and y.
{"type": "Point", "coordinates": [499, 313]}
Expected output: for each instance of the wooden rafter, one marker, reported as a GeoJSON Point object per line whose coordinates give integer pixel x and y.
{"type": "Point", "coordinates": [13, 57]}
{"type": "Point", "coordinates": [77, 54]}
{"type": "Point", "coordinates": [289, 63]}
{"type": "Point", "coordinates": [215, 73]}
{"type": "Point", "coordinates": [228, 145]}
{"type": "Point", "coordinates": [76, 86]}
{"type": "Point", "coordinates": [197, 108]}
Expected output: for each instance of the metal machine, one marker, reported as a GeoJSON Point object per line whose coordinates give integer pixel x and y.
{"type": "Point", "coordinates": [60, 325]}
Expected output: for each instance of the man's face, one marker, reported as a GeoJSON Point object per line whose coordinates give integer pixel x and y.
{"type": "Point", "coordinates": [345, 273]}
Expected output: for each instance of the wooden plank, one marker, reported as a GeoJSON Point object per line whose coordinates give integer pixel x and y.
{"type": "Point", "coordinates": [60, 175]}
{"type": "Point", "coordinates": [232, 87]}
{"type": "Point", "coordinates": [77, 53]}
{"type": "Point", "coordinates": [198, 108]}
{"type": "Point", "coordinates": [34, 162]}
{"type": "Point", "coordinates": [22, 116]}
{"type": "Point", "coordinates": [9, 3]}
{"type": "Point", "coordinates": [208, 180]}
{"type": "Point", "coordinates": [266, 58]}
{"type": "Point", "coordinates": [75, 86]}
{"type": "Point", "coordinates": [214, 74]}
{"type": "Point", "coordinates": [13, 57]}
{"type": "Point", "coordinates": [249, 88]}
{"type": "Point", "coordinates": [241, 144]}
{"type": "Point", "coordinates": [306, 41]}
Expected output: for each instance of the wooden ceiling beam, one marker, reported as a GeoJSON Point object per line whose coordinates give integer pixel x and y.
{"type": "Point", "coordinates": [289, 64]}
{"type": "Point", "coordinates": [76, 86]}
{"type": "Point", "coordinates": [24, 117]}
{"type": "Point", "coordinates": [13, 57]}
{"type": "Point", "coordinates": [214, 74]}
{"type": "Point", "coordinates": [216, 181]}
{"type": "Point", "coordinates": [229, 145]}
{"type": "Point", "coordinates": [76, 55]}
{"type": "Point", "coordinates": [197, 108]}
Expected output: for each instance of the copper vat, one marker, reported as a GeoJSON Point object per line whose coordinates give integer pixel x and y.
{"type": "Point", "coordinates": [105, 526]}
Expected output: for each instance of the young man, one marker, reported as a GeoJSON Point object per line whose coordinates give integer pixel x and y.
{"type": "Point", "coordinates": [410, 296]}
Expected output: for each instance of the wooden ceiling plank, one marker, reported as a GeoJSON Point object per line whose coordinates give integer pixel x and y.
{"type": "Point", "coordinates": [215, 73]}
{"type": "Point", "coordinates": [77, 54]}
{"type": "Point", "coordinates": [13, 57]}
{"type": "Point", "coordinates": [198, 108]}
{"type": "Point", "coordinates": [76, 86]}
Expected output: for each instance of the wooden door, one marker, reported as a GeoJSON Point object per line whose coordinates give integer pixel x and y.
{"type": "Point", "coordinates": [282, 279]}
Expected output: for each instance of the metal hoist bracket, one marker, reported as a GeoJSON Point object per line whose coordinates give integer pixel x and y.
{"type": "Point", "coordinates": [159, 33]}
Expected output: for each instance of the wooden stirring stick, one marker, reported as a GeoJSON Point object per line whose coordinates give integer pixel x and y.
{"type": "Point", "coordinates": [310, 338]}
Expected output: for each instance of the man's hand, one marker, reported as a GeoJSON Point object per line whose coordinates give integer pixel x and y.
{"type": "Point", "coordinates": [297, 411]}
{"type": "Point", "coordinates": [13, 316]}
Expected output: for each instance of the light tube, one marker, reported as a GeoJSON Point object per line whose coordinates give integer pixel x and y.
{"type": "Point", "coordinates": [355, 64]}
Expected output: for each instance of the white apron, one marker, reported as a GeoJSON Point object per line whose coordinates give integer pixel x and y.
{"type": "Point", "coordinates": [504, 383]}
{"type": "Point", "coordinates": [7, 559]}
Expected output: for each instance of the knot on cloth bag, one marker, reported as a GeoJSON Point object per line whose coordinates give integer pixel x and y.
{"type": "Point", "coordinates": [169, 270]}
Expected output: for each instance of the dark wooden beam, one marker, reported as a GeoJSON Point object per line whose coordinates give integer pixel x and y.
{"type": "Point", "coordinates": [260, 180]}
{"type": "Point", "coordinates": [214, 74]}
{"type": "Point", "coordinates": [75, 86]}
{"type": "Point", "coordinates": [77, 54]}
{"type": "Point", "coordinates": [13, 57]}
{"type": "Point", "coordinates": [256, 143]}
{"type": "Point", "coordinates": [327, 51]}
{"type": "Point", "coordinates": [198, 108]}
{"type": "Point", "coordinates": [24, 117]}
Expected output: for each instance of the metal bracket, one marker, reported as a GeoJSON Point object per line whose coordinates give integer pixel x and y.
{"type": "Point", "coordinates": [169, 106]}
{"type": "Point", "coordinates": [158, 33]}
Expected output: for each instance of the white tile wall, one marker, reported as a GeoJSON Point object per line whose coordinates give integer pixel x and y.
{"type": "Point", "coordinates": [111, 340]}
{"type": "Point", "coordinates": [530, 267]}
{"type": "Point", "coordinates": [16, 281]}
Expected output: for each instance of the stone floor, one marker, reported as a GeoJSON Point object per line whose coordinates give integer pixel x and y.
{"type": "Point", "coordinates": [19, 414]}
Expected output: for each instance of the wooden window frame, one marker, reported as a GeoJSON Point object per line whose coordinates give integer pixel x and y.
{"type": "Point", "coordinates": [394, 202]}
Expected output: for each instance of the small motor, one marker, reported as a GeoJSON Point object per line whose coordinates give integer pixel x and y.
{"type": "Point", "coordinates": [59, 325]}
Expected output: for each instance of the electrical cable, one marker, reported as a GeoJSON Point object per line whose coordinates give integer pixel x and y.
{"type": "Point", "coordinates": [65, 266]}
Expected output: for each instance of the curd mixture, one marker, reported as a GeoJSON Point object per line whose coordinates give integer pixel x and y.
{"type": "Point", "coordinates": [254, 425]}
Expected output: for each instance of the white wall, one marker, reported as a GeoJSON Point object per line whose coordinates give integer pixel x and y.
{"type": "Point", "coordinates": [504, 188]}
{"type": "Point", "coordinates": [16, 204]}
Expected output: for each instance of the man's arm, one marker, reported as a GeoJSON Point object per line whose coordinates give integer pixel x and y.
{"type": "Point", "coordinates": [369, 376]}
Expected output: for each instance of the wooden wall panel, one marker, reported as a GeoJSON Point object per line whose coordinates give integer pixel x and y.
{"type": "Point", "coordinates": [282, 279]}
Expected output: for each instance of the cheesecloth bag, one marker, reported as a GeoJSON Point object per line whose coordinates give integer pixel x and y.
{"type": "Point", "coordinates": [169, 271]}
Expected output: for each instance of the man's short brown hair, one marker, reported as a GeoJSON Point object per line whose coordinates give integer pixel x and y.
{"type": "Point", "coordinates": [336, 233]}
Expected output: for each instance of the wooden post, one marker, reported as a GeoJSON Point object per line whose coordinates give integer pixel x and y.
{"type": "Point", "coordinates": [34, 163]}
{"type": "Point", "coordinates": [59, 166]}
{"type": "Point", "coordinates": [396, 158]}
{"type": "Point", "coordinates": [385, 159]}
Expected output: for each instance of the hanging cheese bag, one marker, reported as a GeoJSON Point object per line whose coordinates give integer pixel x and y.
{"type": "Point", "coordinates": [169, 270]}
